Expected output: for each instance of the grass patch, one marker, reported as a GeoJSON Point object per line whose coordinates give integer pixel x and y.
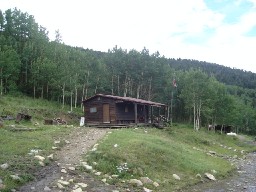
{"type": "Point", "coordinates": [158, 154]}
{"type": "Point", "coordinates": [15, 145]}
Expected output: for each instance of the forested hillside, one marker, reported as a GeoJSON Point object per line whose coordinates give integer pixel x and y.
{"type": "Point", "coordinates": [31, 64]}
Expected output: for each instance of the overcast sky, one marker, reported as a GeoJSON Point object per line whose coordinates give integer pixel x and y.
{"type": "Point", "coordinates": [216, 31]}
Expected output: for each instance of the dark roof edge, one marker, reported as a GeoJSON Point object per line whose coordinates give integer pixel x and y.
{"type": "Point", "coordinates": [131, 99]}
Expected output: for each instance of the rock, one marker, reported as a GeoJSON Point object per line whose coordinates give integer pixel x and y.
{"type": "Point", "coordinates": [71, 180]}
{"type": "Point", "coordinates": [98, 173]}
{"type": "Point", "coordinates": [72, 168]}
{"type": "Point", "coordinates": [176, 177]}
{"type": "Point", "coordinates": [63, 171]}
{"type": "Point", "coordinates": [47, 188]}
{"type": "Point", "coordinates": [32, 188]}
{"type": "Point", "coordinates": [136, 182]}
{"type": "Point", "coordinates": [95, 163]}
{"type": "Point", "coordinates": [66, 183]}
{"type": "Point", "coordinates": [60, 186]}
{"type": "Point", "coordinates": [56, 142]}
{"type": "Point", "coordinates": [41, 163]}
{"type": "Point", "coordinates": [77, 190]}
{"type": "Point", "coordinates": [156, 184]}
{"type": "Point", "coordinates": [15, 177]}
{"type": "Point", "coordinates": [83, 185]}
{"type": "Point", "coordinates": [54, 147]}
{"type": "Point", "coordinates": [210, 176]}
{"type": "Point", "coordinates": [212, 152]}
{"type": "Point", "coordinates": [146, 190]}
{"type": "Point", "coordinates": [50, 157]}
{"type": "Point", "coordinates": [115, 145]}
{"type": "Point", "coordinates": [88, 167]}
{"type": "Point", "coordinates": [198, 176]}
{"type": "Point", "coordinates": [67, 142]}
{"type": "Point", "coordinates": [40, 158]}
{"type": "Point", "coordinates": [4, 166]}
{"type": "Point", "coordinates": [145, 180]}
{"type": "Point", "coordinates": [114, 176]}
{"type": "Point", "coordinates": [104, 180]}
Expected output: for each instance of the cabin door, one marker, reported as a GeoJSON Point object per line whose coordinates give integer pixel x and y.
{"type": "Point", "coordinates": [106, 118]}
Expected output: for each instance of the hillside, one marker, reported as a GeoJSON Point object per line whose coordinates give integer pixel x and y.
{"type": "Point", "coordinates": [129, 153]}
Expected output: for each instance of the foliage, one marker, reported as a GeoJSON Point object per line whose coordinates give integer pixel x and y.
{"type": "Point", "coordinates": [207, 93]}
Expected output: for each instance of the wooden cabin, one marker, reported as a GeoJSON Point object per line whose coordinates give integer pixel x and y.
{"type": "Point", "coordinates": [109, 109]}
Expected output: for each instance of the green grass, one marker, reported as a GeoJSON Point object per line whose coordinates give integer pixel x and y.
{"type": "Point", "coordinates": [162, 153]}
{"type": "Point", "coordinates": [15, 145]}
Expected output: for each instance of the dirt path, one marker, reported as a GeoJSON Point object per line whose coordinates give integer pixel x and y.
{"type": "Point", "coordinates": [68, 158]}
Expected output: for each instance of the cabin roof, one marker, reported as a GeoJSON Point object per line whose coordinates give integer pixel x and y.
{"type": "Point", "coordinates": [129, 99]}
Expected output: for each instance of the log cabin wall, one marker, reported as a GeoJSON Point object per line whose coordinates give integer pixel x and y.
{"type": "Point", "coordinates": [93, 110]}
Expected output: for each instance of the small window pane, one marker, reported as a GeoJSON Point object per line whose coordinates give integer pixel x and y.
{"type": "Point", "coordinates": [93, 110]}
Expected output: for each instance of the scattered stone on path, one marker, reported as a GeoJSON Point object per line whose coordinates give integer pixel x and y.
{"type": "Point", "coordinates": [66, 183]}
{"type": "Point", "coordinates": [175, 176]}
{"type": "Point", "coordinates": [50, 157]}
{"type": "Point", "coordinates": [82, 185]}
{"type": "Point", "coordinates": [72, 168]}
{"type": "Point", "coordinates": [56, 142]}
{"type": "Point", "coordinates": [63, 170]}
{"type": "Point", "coordinates": [41, 163]}
{"type": "Point", "coordinates": [15, 177]}
{"type": "Point", "coordinates": [60, 186]}
{"type": "Point", "coordinates": [136, 182]}
{"type": "Point", "coordinates": [156, 184]}
{"type": "Point", "coordinates": [210, 176]}
{"type": "Point", "coordinates": [40, 158]}
{"type": "Point", "coordinates": [77, 190]}
{"type": "Point", "coordinates": [54, 147]}
{"type": "Point", "coordinates": [4, 166]}
{"type": "Point", "coordinates": [98, 173]}
{"type": "Point", "coordinates": [46, 188]}
{"type": "Point", "coordinates": [104, 180]}
{"type": "Point", "coordinates": [146, 189]}
{"type": "Point", "coordinates": [145, 180]}
{"type": "Point", "coordinates": [115, 145]}
{"type": "Point", "coordinates": [114, 176]}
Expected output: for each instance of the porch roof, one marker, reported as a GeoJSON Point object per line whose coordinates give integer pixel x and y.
{"type": "Point", "coordinates": [129, 99]}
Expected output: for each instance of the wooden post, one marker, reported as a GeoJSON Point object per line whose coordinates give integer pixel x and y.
{"type": "Point", "coordinates": [135, 113]}
{"type": "Point", "coordinates": [144, 114]}
{"type": "Point", "coordinates": [151, 114]}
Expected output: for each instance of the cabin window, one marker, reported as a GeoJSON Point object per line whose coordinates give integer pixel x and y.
{"type": "Point", "coordinates": [126, 110]}
{"type": "Point", "coordinates": [93, 110]}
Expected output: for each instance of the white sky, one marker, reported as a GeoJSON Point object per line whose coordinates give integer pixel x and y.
{"type": "Point", "coordinates": [216, 31]}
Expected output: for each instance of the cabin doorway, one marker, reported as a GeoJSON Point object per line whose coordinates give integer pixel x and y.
{"type": "Point", "coordinates": [106, 117]}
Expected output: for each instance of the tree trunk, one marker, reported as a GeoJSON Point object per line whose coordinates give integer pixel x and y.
{"type": "Point", "coordinates": [63, 95]}
{"type": "Point", "coordinates": [1, 80]}
{"type": "Point", "coordinates": [34, 91]}
{"type": "Point", "coordinates": [96, 87]}
{"type": "Point", "coordinates": [149, 88]}
{"type": "Point", "coordinates": [75, 96]}
{"type": "Point", "coordinates": [42, 92]}
{"type": "Point", "coordinates": [71, 101]}
{"type": "Point", "coordinates": [47, 90]}
{"type": "Point", "coordinates": [118, 86]}
{"type": "Point", "coordinates": [112, 85]}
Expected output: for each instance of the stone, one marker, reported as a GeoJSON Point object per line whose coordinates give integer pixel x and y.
{"type": "Point", "coordinates": [104, 180]}
{"type": "Point", "coordinates": [115, 145]}
{"type": "Point", "coordinates": [71, 180]}
{"type": "Point", "coordinates": [146, 189]}
{"type": "Point", "coordinates": [175, 176]}
{"type": "Point", "coordinates": [98, 173]}
{"type": "Point", "coordinates": [77, 190]}
{"type": "Point", "coordinates": [54, 147]}
{"type": "Point", "coordinates": [66, 183]}
{"type": "Point", "coordinates": [4, 166]}
{"type": "Point", "coordinates": [41, 163]}
{"type": "Point", "coordinates": [15, 177]}
{"type": "Point", "coordinates": [136, 182]}
{"type": "Point", "coordinates": [145, 180]}
{"type": "Point", "coordinates": [210, 176]}
{"type": "Point", "coordinates": [156, 184]}
{"type": "Point", "coordinates": [46, 188]}
{"type": "Point", "coordinates": [114, 176]}
{"type": "Point", "coordinates": [32, 188]}
{"type": "Point", "coordinates": [72, 168]}
{"type": "Point", "coordinates": [88, 167]}
{"type": "Point", "coordinates": [60, 186]}
{"type": "Point", "coordinates": [95, 163]}
{"type": "Point", "coordinates": [212, 152]}
{"type": "Point", "coordinates": [50, 157]}
{"type": "Point", "coordinates": [63, 171]}
{"type": "Point", "coordinates": [82, 185]}
{"type": "Point", "coordinates": [67, 142]}
{"type": "Point", "coordinates": [40, 158]}
{"type": "Point", "coordinates": [56, 142]}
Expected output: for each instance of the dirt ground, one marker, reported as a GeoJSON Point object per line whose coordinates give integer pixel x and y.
{"type": "Point", "coordinates": [78, 143]}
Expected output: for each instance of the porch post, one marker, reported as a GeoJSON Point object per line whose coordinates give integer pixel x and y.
{"type": "Point", "coordinates": [144, 114]}
{"type": "Point", "coordinates": [135, 113]}
{"type": "Point", "coordinates": [151, 114]}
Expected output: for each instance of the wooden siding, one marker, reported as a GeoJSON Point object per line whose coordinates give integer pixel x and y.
{"type": "Point", "coordinates": [97, 117]}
